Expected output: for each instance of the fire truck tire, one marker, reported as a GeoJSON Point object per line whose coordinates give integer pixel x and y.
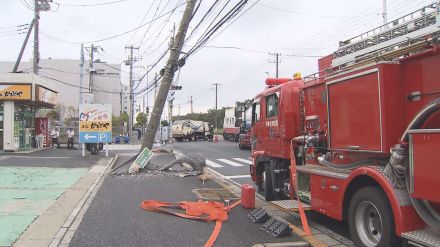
{"type": "Point", "coordinates": [267, 183]}
{"type": "Point", "coordinates": [370, 219]}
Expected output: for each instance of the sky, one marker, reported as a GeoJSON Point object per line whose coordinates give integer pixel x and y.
{"type": "Point", "coordinates": [238, 56]}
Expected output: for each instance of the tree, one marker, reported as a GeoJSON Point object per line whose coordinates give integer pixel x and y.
{"type": "Point", "coordinates": [141, 119]}
{"type": "Point", "coordinates": [124, 117]}
{"type": "Point", "coordinates": [72, 113]}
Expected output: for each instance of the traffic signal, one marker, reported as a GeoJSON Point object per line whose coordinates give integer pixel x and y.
{"type": "Point", "coordinates": [174, 87]}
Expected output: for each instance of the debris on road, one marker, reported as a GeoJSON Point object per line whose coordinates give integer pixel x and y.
{"type": "Point", "coordinates": [196, 161]}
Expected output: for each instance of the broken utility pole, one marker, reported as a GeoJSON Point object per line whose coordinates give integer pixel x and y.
{"type": "Point", "coordinates": [167, 78]}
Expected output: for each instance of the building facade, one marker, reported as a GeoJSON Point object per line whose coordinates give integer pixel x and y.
{"type": "Point", "coordinates": [102, 84]}
{"type": "Point", "coordinates": [23, 99]}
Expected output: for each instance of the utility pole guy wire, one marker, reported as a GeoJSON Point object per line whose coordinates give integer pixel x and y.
{"type": "Point", "coordinates": [167, 79]}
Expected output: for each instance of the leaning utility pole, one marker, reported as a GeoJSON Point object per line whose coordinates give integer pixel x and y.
{"type": "Point", "coordinates": [167, 78]}
{"type": "Point", "coordinates": [36, 41]}
{"type": "Point", "coordinates": [216, 113]}
{"type": "Point", "coordinates": [276, 61]}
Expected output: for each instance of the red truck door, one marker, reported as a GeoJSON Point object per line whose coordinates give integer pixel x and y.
{"type": "Point", "coordinates": [256, 126]}
{"type": "Point", "coordinates": [271, 130]}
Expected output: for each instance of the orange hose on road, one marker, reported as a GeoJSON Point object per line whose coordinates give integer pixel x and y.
{"type": "Point", "coordinates": [201, 210]}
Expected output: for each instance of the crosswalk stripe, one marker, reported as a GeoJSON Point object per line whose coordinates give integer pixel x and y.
{"type": "Point", "coordinates": [243, 160]}
{"type": "Point", "coordinates": [230, 162]}
{"type": "Point", "coordinates": [213, 164]}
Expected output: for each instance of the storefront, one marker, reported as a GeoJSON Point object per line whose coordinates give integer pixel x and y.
{"type": "Point", "coordinates": [20, 104]}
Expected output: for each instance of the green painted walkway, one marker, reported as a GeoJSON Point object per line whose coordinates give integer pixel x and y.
{"type": "Point", "coordinates": [25, 193]}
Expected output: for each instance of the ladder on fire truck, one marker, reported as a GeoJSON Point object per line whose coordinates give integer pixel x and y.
{"type": "Point", "coordinates": [398, 34]}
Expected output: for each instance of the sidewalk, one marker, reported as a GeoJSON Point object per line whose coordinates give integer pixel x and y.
{"type": "Point", "coordinates": [31, 184]}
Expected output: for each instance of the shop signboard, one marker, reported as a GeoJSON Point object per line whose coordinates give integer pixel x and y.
{"type": "Point", "coordinates": [95, 123]}
{"type": "Point", "coordinates": [42, 131]}
{"type": "Point", "coordinates": [15, 92]}
{"type": "Point", "coordinates": [46, 95]}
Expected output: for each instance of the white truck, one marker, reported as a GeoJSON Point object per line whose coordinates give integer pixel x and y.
{"type": "Point", "coordinates": [191, 130]}
{"type": "Point", "coordinates": [230, 130]}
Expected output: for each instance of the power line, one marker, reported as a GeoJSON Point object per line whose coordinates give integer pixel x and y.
{"type": "Point", "coordinates": [76, 86]}
{"type": "Point", "coordinates": [89, 5]}
{"type": "Point", "coordinates": [162, 27]}
{"type": "Point", "coordinates": [301, 13]}
{"type": "Point", "coordinates": [259, 51]}
{"type": "Point", "coordinates": [149, 26]}
{"type": "Point", "coordinates": [110, 37]}
{"type": "Point", "coordinates": [143, 19]}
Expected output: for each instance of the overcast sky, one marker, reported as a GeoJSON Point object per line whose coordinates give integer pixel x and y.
{"type": "Point", "coordinates": [300, 30]}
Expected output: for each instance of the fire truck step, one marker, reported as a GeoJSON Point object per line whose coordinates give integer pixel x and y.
{"type": "Point", "coordinates": [258, 215]}
{"type": "Point", "coordinates": [276, 228]}
{"type": "Point", "coordinates": [425, 237]}
{"type": "Point", "coordinates": [290, 205]}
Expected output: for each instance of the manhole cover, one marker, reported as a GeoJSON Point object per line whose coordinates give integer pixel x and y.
{"type": "Point", "coordinates": [215, 194]}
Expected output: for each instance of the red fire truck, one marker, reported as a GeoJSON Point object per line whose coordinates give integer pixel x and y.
{"type": "Point", "coordinates": [357, 141]}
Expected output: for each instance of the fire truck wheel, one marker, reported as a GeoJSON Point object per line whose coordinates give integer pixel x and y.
{"type": "Point", "coordinates": [267, 183]}
{"type": "Point", "coordinates": [370, 219]}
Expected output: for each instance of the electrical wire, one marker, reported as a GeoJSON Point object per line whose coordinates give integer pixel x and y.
{"type": "Point", "coordinates": [302, 13]}
{"type": "Point", "coordinates": [233, 12]}
{"type": "Point", "coordinates": [160, 29]}
{"type": "Point", "coordinates": [210, 32]}
{"type": "Point", "coordinates": [142, 21]}
{"type": "Point", "coordinates": [76, 86]}
{"type": "Point", "coordinates": [149, 26]}
{"type": "Point", "coordinates": [77, 73]}
{"type": "Point", "coordinates": [110, 37]}
{"type": "Point", "coordinates": [89, 5]}
{"type": "Point", "coordinates": [203, 18]}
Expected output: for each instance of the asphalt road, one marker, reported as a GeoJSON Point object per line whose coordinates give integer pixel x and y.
{"type": "Point", "coordinates": [115, 217]}
{"type": "Point", "coordinates": [224, 157]}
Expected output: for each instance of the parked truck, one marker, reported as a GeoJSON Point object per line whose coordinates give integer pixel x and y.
{"type": "Point", "coordinates": [358, 140]}
{"type": "Point", "coordinates": [191, 130]}
{"type": "Point", "coordinates": [231, 130]}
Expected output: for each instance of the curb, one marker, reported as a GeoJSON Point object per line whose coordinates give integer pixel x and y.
{"type": "Point", "coordinates": [65, 233]}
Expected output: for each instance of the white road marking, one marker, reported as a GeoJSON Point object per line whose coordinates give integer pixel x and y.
{"type": "Point", "coordinates": [238, 176]}
{"type": "Point", "coordinates": [243, 160]}
{"type": "Point", "coordinates": [229, 162]}
{"type": "Point", "coordinates": [213, 164]}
